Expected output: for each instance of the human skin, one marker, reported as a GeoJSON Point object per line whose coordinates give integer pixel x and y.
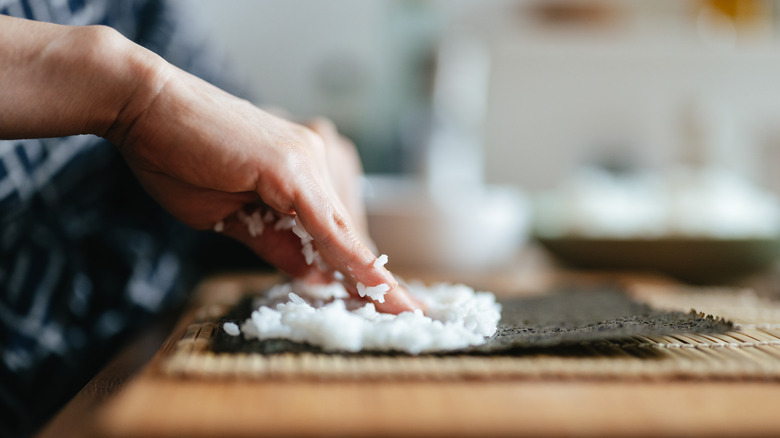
{"type": "Point", "coordinates": [200, 152]}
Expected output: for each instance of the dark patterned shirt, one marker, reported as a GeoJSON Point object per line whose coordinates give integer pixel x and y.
{"type": "Point", "coordinates": [85, 255]}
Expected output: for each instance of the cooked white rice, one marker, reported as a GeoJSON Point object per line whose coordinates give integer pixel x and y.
{"type": "Point", "coordinates": [254, 222]}
{"type": "Point", "coordinates": [231, 328]}
{"type": "Point", "coordinates": [325, 316]}
{"type": "Point", "coordinates": [311, 255]}
{"type": "Point", "coordinates": [376, 293]}
{"type": "Point", "coordinates": [380, 261]}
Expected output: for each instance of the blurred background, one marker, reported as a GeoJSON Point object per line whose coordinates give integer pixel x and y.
{"type": "Point", "coordinates": [619, 119]}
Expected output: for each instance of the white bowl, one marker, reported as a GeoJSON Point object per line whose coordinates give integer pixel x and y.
{"type": "Point", "coordinates": [468, 229]}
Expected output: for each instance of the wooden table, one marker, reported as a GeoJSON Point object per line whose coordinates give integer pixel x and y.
{"type": "Point", "coordinates": [123, 401]}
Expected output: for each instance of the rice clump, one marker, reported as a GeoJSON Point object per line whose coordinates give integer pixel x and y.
{"type": "Point", "coordinates": [254, 222]}
{"type": "Point", "coordinates": [325, 316]}
{"type": "Point", "coordinates": [376, 293]}
{"type": "Point", "coordinates": [310, 254]}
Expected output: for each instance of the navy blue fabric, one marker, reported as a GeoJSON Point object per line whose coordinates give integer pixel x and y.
{"type": "Point", "coordinates": [85, 255]}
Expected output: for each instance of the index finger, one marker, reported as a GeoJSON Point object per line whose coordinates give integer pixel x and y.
{"type": "Point", "coordinates": [341, 247]}
{"type": "Point", "coordinates": [338, 241]}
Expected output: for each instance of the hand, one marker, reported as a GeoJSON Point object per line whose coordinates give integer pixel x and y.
{"type": "Point", "coordinates": [205, 155]}
{"type": "Point", "coordinates": [200, 152]}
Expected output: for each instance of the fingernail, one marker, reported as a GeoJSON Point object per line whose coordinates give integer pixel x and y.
{"type": "Point", "coordinates": [416, 306]}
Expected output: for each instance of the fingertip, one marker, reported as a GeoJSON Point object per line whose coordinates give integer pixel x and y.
{"type": "Point", "coordinates": [388, 278]}
{"type": "Point", "coordinates": [398, 300]}
{"type": "Point", "coordinates": [373, 271]}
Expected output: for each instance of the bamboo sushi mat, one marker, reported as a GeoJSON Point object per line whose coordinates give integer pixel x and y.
{"type": "Point", "coordinates": [750, 351]}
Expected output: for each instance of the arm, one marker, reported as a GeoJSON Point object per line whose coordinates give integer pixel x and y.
{"type": "Point", "coordinates": [60, 80]}
{"type": "Point", "coordinates": [200, 152]}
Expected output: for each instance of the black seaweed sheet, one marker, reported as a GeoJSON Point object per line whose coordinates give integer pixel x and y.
{"type": "Point", "coordinates": [574, 320]}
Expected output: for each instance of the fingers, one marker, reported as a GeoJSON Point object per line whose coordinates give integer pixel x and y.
{"type": "Point", "coordinates": [195, 206]}
{"type": "Point", "coordinates": [257, 229]}
{"type": "Point", "coordinates": [341, 247]}
{"type": "Point", "coordinates": [337, 240]}
{"type": "Point", "coordinates": [204, 154]}
{"type": "Point", "coordinates": [333, 213]}
{"type": "Point", "coordinates": [282, 247]}
{"type": "Point", "coordinates": [315, 177]}
{"type": "Point", "coordinates": [345, 171]}
{"type": "Point", "coordinates": [399, 300]}
{"type": "Point", "coordinates": [303, 183]}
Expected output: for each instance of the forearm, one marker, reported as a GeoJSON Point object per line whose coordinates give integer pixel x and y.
{"type": "Point", "coordinates": [63, 80]}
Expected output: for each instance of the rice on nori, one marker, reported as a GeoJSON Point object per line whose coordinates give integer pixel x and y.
{"type": "Point", "coordinates": [325, 316]}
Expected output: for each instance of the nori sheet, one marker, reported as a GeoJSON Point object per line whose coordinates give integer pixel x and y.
{"type": "Point", "coordinates": [569, 321]}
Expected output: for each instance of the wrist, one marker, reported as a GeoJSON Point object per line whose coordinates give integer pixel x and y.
{"type": "Point", "coordinates": [137, 77]}
{"type": "Point", "coordinates": [66, 80]}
